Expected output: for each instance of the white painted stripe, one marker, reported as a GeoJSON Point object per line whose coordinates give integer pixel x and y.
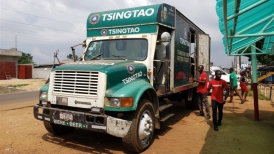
{"type": "Point", "coordinates": [98, 127]}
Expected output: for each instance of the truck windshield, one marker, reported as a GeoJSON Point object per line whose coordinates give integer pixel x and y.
{"type": "Point", "coordinates": [131, 49]}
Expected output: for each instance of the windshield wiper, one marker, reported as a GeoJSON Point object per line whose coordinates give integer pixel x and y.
{"type": "Point", "coordinates": [122, 57]}
{"type": "Point", "coordinates": [96, 56]}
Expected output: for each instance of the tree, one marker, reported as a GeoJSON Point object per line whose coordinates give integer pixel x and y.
{"type": "Point", "coordinates": [70, 56]}
{"type": "Point", "coordinates": [264, 59]}
{"type": "Point", "coordinates": [26, 58]}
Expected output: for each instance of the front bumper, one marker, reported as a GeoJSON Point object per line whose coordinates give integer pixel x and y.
{"type": "Point", "coordinates": [93, 122]}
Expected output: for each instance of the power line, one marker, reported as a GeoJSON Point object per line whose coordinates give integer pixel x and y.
{"type": "Point", "coordinates": [38, 26]}
{"type": "Point", "coordinates": [22, 31]}
{"type": "Point", "coordinates": [51, 9]}
{"type": "Point", "coordinates": [35, 44]}
{"type": "Point", "coordinates": [11, 32]}
{"type": "Point", "coordinates": [78, 4]}
{"type": "Point", "coordinates": [20, 37]}
{"type": "Point", "coordinates": [38, 16]}
{"type": "Point", "coordinates": [46, 46]}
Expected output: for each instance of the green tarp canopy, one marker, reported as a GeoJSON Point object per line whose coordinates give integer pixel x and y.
{"type": "Point", "coordinates": [246, 23]}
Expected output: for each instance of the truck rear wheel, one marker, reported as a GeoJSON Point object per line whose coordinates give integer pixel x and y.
{"type": "Point", "coordinates": [175, 97]}
{"type": "Point", "coordinates": [188, 104]}
{"type": "Point", "coordinates": [195, 101]}
{"type": "Point", "coordinates": [140, 134]}
{"type": "Point", "coordinates": [57, 129]}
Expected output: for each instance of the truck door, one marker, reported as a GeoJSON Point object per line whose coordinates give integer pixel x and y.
{"type": "Point", "coordinates": [203, 54]}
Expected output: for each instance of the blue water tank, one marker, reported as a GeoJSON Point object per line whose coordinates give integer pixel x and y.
{"type": "Point", "coordinates": [270, 79]}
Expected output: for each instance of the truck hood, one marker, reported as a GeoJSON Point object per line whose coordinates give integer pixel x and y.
{"type": "Point", "coordinates": [95, 65]}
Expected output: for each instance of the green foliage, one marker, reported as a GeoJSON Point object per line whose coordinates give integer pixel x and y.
{"type": "Point", "coordinates": [267, 60]}
{"type": "Point", "coordinates": [21, 85]}
{"type": "Point", "coordinates": [26, 58]}
{"type": "Point", "coordinates": [70, 56]}
{"type": "Point", "coordinates": [260, 95]}
{"type": "Point", "coordinates": [264, 59]}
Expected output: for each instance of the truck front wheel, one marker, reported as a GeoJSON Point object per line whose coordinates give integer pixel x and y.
{"type": "Point", "coordinates": [140, 134]}
{"type": "Point", "coordinates": [57, 129]}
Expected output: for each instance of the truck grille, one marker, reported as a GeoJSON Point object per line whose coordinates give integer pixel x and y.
{"type": "Point", "coordinates": [76, 82]}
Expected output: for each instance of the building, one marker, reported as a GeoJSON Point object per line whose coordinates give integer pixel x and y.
{"type": "Point", "coordinates": [42, 71]}
{"type": "Point", "coordinates": [9, 63]}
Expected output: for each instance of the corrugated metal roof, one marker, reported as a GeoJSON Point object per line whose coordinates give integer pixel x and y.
{"type": "Point", "coordinates": [245, 22]}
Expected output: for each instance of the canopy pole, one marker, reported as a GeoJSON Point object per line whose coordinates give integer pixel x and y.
{"type": "Point", "coordinates": [255, 82]}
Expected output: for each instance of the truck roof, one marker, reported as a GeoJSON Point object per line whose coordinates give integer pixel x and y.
{"type": "Point", "coordinates": [149, 14]}
{"type": "Point", "coordinates": [142, 19]}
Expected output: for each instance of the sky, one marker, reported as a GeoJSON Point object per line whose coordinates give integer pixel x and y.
{"type": "Point", "coordinates": [42, 27]}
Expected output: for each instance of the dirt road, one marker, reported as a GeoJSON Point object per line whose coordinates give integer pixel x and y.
{"type": "Point", "coordinates": [186, 133]}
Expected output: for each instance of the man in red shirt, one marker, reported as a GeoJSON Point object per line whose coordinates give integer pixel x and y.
{"type": "Point", "coordinates": [201, 90]}
{"type": "Point", "coordinates": [217, 99]}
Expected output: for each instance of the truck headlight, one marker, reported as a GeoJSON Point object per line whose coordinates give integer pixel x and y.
{"type": "Point", "coordinates": [114, 102]}
{"type": "Point", "coordinates": [121, 102]}
{"type": "Point", "coordinates": [44, 95]}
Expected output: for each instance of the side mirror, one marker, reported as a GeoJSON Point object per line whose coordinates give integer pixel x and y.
{"type": "Point", "coordinates": [165, 38]}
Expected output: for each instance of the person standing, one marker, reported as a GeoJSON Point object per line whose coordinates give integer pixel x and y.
{"type": "Point", "coordinates": [233, 85]}
{"type": "Point", "coordinates": [243, 86]}
{"type": "Point", "coordinates": [217, 99]}
{"type": "Point", "coordinates": [201, 90]}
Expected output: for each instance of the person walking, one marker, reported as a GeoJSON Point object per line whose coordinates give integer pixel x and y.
{"type": "Point", "coordinates": [233, 85]}
{"type": "Point", "coordinates": [243, 83]}
{"type": "Point", "coordinates": [217, 99]}
{"type": "Point", "coordinates": [201, 90]}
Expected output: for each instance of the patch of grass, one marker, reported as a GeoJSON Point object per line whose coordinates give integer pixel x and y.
{"type": "Point", "coordinates": [260, 95]}
{"type": "Point", "coordinates": [21, 85]}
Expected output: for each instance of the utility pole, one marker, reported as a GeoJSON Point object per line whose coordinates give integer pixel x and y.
{"type": "Point", "coordinates": [240, 62]}
{"type": "Point", "coordinates": [16, 42]}
{"type": "Point", "coordinates": [235, 62]}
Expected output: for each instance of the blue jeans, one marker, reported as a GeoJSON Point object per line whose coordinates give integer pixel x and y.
{"type": "Point", "coordinates": [220, 106]}
{"type": "Point", "coordinates": [200, 103]}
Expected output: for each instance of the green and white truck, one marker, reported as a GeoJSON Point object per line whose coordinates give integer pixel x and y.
{"type": "Point", "coordinates": [135, 62]}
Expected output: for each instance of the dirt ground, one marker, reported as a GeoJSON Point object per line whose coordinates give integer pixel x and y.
{"type": "Point", "coordinates": [185, 133]}
{"type": "Point", "coordinates": [19, 85]}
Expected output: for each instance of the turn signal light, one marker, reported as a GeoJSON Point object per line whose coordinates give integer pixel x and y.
{"type": "Point", "coordinates": [126, 102]}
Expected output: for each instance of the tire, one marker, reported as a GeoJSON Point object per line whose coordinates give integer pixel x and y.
{"type": "Point", "coordinates": [180, 97]}
{"type": "Point", "coordinates": [195, 101]}
{"type": "Point", "coordinates": [58, 129]}
{"type": "Point", "coordinates": [175, 97]}
{"type": "Point", "coordinates": [172, 97]}
{"type": "Point", "coordinates": [140, 134]}
{"type": "Point", "coordinates": [188, 104]}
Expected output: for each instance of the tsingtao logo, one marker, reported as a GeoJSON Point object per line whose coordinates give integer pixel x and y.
{"type": "Point", "coordinates": [130, 69]}
{"type": "Point", "coordinates": [185, 33]}
{"type": "Point", "coordinates": [104, 32]}
{"type": "Point", "coordinates": [94, 19]}
{"type": "Point", "coordinates": [171, 9]}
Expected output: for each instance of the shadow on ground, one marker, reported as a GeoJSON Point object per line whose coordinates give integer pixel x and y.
{"type": "Point", "coordinates": [240, 133]}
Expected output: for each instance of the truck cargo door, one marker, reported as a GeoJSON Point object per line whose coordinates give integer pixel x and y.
{"type": "Point", "coordinates": [203, 54]}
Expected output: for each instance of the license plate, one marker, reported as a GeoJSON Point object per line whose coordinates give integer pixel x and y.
{"type": "Point", "coordinates": [66, 116]}
{"type": "Point", "coordinates": [64, 100]}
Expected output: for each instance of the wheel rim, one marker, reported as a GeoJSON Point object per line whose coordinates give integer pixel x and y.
{"type": "Point", "coordinates": [145, 127]}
